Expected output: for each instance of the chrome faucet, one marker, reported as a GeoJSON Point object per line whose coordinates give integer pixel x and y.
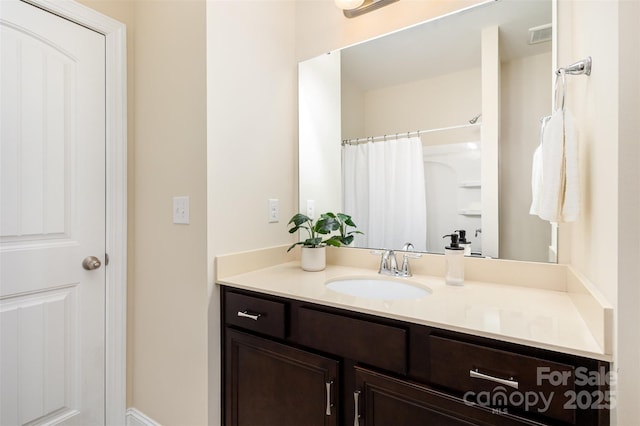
{"type": "Point", "coordinates": [405, 271]}
{"type": "Point", "coordinates": [389, 264]}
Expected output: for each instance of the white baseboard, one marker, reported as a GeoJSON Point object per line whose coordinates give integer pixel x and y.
{"type": "Point", "coordinates": [136, 418]}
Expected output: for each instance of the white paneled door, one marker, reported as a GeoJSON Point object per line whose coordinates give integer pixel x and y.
{"type": "Point", "coordinates": [52, 218]}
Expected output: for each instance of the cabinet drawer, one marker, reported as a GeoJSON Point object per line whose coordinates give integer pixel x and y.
{"type": "Point", "coordinates": [368, 342]}
{"type": "Point", "coordinates": [503, 380]}
{"type": "Point", "coordinates": [385, 400]}
{"type": "Point", "coordinates": [256, 314]}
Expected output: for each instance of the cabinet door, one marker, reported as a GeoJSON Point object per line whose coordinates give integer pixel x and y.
{"type": "Point", "coordinates": [268, 383]}
{"type": "Point", "coordinates": [381, 400]}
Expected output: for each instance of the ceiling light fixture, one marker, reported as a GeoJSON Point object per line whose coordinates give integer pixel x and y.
{"type": "Point", "coordinates": [353, 8]}
{"type": "Point", "coordinates": [349, 4]}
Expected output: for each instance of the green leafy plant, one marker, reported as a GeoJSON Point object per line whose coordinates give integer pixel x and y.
{"type": "Point", "coordinates": [319, 230]}
{"type": "Point", "coordinates": [345, 236]}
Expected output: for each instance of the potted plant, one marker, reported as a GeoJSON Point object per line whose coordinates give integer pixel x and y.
{"type": "Point", "coordinates": [345, 236]}
{"type": "Point", "coordinates": [313, 255]}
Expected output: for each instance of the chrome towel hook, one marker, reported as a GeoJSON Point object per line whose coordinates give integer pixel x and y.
{"type": "Point", "coordinates": [580, 67]}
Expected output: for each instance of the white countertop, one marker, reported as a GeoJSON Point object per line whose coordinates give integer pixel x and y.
{"type": "Point", "coordinates": [534, 317]}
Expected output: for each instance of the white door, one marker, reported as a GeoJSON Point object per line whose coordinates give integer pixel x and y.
{"type": "Point", "coordinates": [52, 217]}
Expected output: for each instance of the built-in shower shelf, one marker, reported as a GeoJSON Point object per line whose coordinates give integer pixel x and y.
{"type": "Point", "coordinates": [470, 212]}
{"type": "Point", "coordinates": [470, 184]}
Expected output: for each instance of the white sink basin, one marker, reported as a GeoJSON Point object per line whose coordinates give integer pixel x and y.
{"type": "Point", "coordinates": [377, 288]}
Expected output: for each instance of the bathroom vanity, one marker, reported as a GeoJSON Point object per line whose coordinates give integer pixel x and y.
{"type": "Point", "coordinates": [292, 362]}
{"type": "Point", "coordinates": [310, 358]}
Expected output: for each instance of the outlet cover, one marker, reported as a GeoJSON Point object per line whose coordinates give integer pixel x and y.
{"type": "Point", "coordinates": [311, 209]}
{"type": "Point", "coordinates": [181, 210]}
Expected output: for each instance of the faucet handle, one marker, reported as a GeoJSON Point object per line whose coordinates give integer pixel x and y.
{"type": "Point", "coordinates": [388, 263]}
{"type": "Point", "coordinates": [405, 271]}
{"type": "Point", "coordinates": [383, 259]}
{"type": "Point", "coordinates": [409, 255]}
{"type": "Point", "coordinates": [393, 263]}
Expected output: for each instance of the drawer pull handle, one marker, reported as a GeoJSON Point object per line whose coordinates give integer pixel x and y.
{"type": "Point", "coordinates": [507, 382]}
{"type": "Point", "coordinates": [245, 314]}
{"type": "Point", "coordinates": [356, 417]}
{"type": "Point", "coordinates": [329, 404]}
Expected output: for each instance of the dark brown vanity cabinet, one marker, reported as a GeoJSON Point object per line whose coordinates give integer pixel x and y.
{"type": "Point", "coordinates": [288, 362]}
{"type": "Point", "coordinates": [384, 400]}
{"type": "Point", "coordinates": [269, 383]}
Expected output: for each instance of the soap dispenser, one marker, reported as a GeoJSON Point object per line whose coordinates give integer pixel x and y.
{"type": "Point", "coordinates": [454, 258]}
{"type": "Point", "coordinates": [462, 242]}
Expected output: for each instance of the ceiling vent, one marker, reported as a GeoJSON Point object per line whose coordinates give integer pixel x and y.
{"type": "Point", "coordinates": [540, 34]}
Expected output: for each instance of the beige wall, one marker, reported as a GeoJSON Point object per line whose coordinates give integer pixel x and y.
{"type": "Point", "coordinates": [411, 106]}
{"type": "Point", "coordinates": [351, 108]}
{"type": "Point", "coordinates": [252, 122]}
{"type": "Point", "coordinates": [629, 213]}
{"type": "Point", "coordinates": [251, 138]}
{"type": "Point", "coordinates": [169, 320]}
{"type": "Point", "coordinates": [167, 264]}
{"type": "Point", "coordinates": [604, 243]}
{"type": "Point", "coordinates": [525, 97]}
{"type": "Point", "coordinates": [594, 102]}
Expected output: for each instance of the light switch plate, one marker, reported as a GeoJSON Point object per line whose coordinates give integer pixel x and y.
{"type": "Point", "coordinates": [274, 210]}
{"type": "Point", "coordinates": [181, 210]}
{"type": "Point", "coordinates": [311, 209]}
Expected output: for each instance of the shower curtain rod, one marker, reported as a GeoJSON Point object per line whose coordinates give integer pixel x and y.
{"type": "Point", "coordinates": [357, 141]}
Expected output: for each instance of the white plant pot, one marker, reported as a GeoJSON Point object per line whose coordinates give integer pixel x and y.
{"type": "Point", "coordinates": [313, 258]}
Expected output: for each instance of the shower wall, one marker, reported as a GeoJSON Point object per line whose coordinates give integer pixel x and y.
{"type": "Point", "coordinates": [452, 184]}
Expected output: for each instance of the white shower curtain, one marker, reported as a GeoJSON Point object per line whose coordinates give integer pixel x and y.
{"type": "Point", "coordinates": [384, 192]}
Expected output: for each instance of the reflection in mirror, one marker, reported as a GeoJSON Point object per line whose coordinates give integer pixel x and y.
{"type": "Point", "coordinates": [421, 142]}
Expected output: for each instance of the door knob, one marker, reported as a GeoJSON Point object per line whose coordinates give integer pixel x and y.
{"type": "Point", "coordinates": [90, 263]}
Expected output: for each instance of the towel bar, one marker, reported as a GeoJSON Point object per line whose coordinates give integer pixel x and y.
{"type": "Point", "coordinates": [580, 67]}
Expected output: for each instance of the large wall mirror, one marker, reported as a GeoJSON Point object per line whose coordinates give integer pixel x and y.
{"type": "Point", "coordinates": [432, 129]}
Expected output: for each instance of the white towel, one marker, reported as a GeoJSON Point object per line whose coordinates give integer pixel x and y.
{"type": "Point", "coordinates": [536, 181]}
{"type": "Point", "coordinates": [536, 173]}
{"type": "Point", "coordinates": [560, 185]}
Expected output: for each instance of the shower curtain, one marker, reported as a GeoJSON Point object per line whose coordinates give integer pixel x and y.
{"type": "Point", "coordinates": [384, 192]}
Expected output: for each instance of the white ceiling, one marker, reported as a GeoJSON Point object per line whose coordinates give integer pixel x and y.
{"type": "Point", "coordinates": [447, 44]}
